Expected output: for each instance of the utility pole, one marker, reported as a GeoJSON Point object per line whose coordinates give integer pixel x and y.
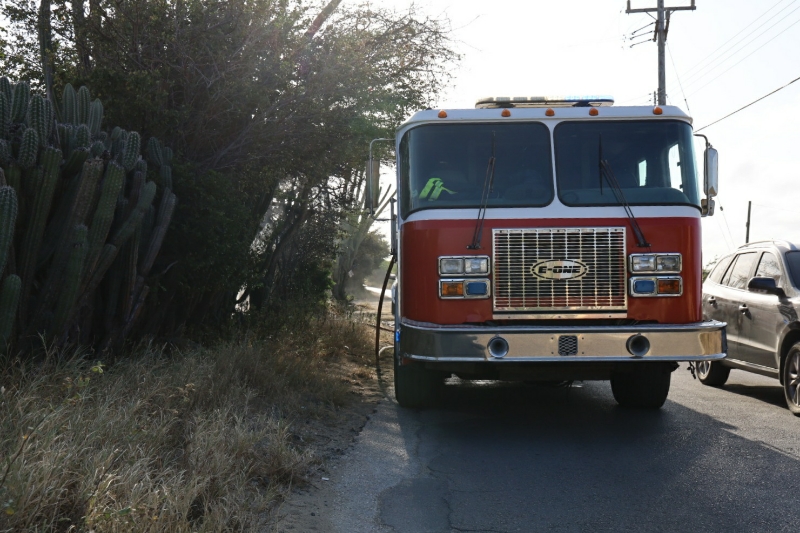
{"type": "Point", "coordinates": [747, 233]}
{"type": "Point", "coordinates": [660, 35]}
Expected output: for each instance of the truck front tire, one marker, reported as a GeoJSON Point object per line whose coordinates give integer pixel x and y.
{"type": "Point", "coordinates": [415, 386]}
{"type": "Point", "coordinates": [643, 387]}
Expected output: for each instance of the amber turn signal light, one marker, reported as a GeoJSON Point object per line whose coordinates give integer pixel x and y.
{"type": "Point", "coordinates": [452, 288]}
{"type": "Point", "coordinates": [593, 112]}
{"type": "Point", "coordinates": [442, 114]}
{"type": "Point", "coordinates": [505, 113]}
{"type": "Point", "coordinates": [669, 286]}
{"type": "Point", "coordinates": [550, 113]}
{"type": "Point", "coordinates": [657, 110]}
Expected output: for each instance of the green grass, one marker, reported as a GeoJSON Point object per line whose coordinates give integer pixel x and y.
{"type": "Point", "coordinates": [197, 440]}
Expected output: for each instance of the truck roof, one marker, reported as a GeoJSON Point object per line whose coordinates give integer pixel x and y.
{"type": "Point", "coordinates": [554, 113]}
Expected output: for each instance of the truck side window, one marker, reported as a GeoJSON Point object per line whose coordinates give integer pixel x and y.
{"type": "Point", "coordinates": [740, 271]}
{"type": "Point", "coordinates": [674, 161]}
{"type": "Point", "coordinates": [642, 172]}
{"type": "Point", "coordinates": [769, 267]}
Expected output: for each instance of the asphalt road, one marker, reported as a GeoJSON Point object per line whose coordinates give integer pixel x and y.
{"type": "Point", "coordinates": [498, 457]}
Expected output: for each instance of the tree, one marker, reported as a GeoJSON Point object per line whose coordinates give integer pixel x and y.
{"type": "Point", "coordinates": [270, 104]}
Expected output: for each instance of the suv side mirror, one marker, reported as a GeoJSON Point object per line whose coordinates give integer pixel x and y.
{"type": "Point", "coordinates": [766, 285]}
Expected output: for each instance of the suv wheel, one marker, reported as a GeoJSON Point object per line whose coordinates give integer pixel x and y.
{"type": "Point", "coordinates": [712, 373]}
{"type": "Point", "coordinates": [791, 379]}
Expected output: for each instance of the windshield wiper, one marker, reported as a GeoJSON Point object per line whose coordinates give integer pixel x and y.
{"type": "Point", "coordinates": [605, 170]}
{"type": "Point", "coordinates": [488, 186]}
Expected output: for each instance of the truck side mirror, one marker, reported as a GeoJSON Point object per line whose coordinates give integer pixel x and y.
{"type": "Point", "coordinates": [373, 196]}
{"type": "Point", "coordinates": [373, 185]}
{"type": "Point", "coordinates": [711, 184]}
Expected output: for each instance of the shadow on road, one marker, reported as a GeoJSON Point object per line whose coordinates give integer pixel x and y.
{"type": "Point", "coordinates": [517, 457]}
{"type": "Point", "coordinates": [769, 394]}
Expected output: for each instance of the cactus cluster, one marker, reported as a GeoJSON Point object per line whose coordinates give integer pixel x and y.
{"type": "Point", "coordinates": [80, 222]}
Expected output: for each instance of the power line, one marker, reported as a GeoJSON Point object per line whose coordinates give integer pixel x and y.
{"type": "Point", "coordinates": [745, 57]}
{"type": "Point", "coordinates": [732, 241]}
{"type": "Point", "coordinates": [679, 78]}
{"type": "Point", "coordinates": [748, 105]}
{"type": "Point", "coordinates": [709, 56]}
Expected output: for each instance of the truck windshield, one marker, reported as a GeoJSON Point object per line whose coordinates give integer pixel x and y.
{"type": "Point", "coordinates": [445, 166]}
{"type": "Point", "coordinates": [653, 162]}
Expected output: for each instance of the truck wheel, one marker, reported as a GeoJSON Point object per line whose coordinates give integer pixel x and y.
{"type": "Point", "coordinates": [646, 387]}
{"type": "Point", "coordinates": [712, 373]}
{"type": "Point", "coordinates": [415, 386]}
{"type": "Point", "coordinates": [791, 379]}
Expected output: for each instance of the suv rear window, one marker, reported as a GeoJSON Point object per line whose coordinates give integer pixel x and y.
{"type": "Point", "coordinates": [719, 269]}
{"type": "Point", "coordinates": [793, 260]}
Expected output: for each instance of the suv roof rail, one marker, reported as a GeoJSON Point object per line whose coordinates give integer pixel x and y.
{"type": "Point", "coordinates": [778, 242]}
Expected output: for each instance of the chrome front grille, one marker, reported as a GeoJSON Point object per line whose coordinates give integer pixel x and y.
{"type": "Point", "coordinates": [600, 287]}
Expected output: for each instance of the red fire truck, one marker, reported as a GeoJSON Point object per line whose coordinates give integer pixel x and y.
{"type": "Point", "coordinates": [550, 239]}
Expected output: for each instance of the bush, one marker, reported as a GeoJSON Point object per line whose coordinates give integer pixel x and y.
{"type": "Point", "coordinates": [200, 440]}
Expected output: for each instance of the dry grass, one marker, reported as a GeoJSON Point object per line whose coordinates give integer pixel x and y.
{"type": "Point", "coordinates": [194, 441]}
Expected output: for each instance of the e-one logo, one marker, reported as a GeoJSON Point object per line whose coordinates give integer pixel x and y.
{"type": "Point", "coordinates": [559, 269]}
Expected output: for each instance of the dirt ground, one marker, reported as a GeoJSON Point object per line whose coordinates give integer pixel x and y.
{"type": "Point", "coordinates": [330, 439]}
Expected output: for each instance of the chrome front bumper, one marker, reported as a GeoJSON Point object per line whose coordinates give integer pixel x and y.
{"type": "Point", "coordinates": [702, 341]}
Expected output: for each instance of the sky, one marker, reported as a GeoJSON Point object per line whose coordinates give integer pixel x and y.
{"type": "Point", "coordinates": [720, 57]}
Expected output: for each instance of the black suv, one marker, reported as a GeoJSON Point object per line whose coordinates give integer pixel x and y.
{"type": "Point", "coordinates": [756, 290]}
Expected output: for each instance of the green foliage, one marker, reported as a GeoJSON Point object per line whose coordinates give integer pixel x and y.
{"type": "Point", "coordinates": [212, 232]}
{"type": "Point", "coordinates": [371, 255]}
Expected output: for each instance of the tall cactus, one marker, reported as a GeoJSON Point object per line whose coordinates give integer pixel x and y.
{"type": "Point", "coordinates": [69, 102]}
{"type": "Point", "coordinates": [6, 89]}
{"type": "Point", "coordinates": [164, 218]}
{"type": "Point", "coordinates": [131, 150]}
{"type": "Point", "coordinates": [5, 152]}
{"type": "Point", "coordinates": [38, 118]}
{"type": "Point", "coordinates": [8, 220]}
{"type": "Point", "coordinates": [9, 300]}
{"type": "Point", "coordinates": [75, 218]}
{"type": "Point", "coordinates": [84, 103]}
{"type": "Point", "coordinates": [46, 180]}
{"type": "Point", "coordinates": [5, 114]}
{"type": "Point", "coordinates": [104, 214]}
{"type": "Point", "coordinates": [95, 117]}
{"type": "Point", "coordinates": [155, 152]}
{"type": "Point", "coordinates": [19, 102]}
{"type": "Point", "coordinates": [66, 300]}
{"type": "Point", "coordinates": [28, 148]}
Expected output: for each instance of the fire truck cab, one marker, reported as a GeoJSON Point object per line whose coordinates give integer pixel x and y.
{"type": "Point", "coordinates": [550, 239]}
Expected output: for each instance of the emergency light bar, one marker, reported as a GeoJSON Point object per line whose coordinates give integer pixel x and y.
{"type": "Point", "coordinates": [495, 102]}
